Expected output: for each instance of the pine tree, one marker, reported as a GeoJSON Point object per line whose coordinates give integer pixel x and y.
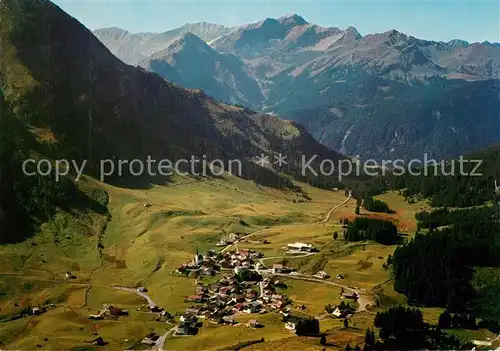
{"type": "Point", "coordinates": [444, 320]}
{"type": "Point", "coordinates": [369, 337]}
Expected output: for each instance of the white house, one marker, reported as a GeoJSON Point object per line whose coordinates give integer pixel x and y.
{"type": "Point", "coordinates": [322, 275]}
{"type": "Point", "coordinates": [336, 312]}
{"type": "Point", "coordinates": [300, 247]}
{"type": "Point", "coordinates": [277, 268]}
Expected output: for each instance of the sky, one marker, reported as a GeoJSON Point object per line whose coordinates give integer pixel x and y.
{"type": "Point", "coordinates": [472, 20]}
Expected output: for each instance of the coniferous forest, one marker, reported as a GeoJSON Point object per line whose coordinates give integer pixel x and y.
{"type": "Point", "coordinates": [438, 268]}
{"type": "Point", "coordinates": [381, 231]}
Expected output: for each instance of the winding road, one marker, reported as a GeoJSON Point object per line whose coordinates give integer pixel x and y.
{"type": "Point", "coordinates": [242, 238]}
{"type": "Point", "coordinates": [363, 298]}
{"type": "Point", "coordinates": [160, 343]}
{"type": "Point", "coordinates": [327, 217]}
{"type": "Point", "coordinates": [150, 301]}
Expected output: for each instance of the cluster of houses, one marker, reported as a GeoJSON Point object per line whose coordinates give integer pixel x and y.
{"type": "Point", "coordinates": [230, 239]}
{"type": "Point", "coordinates": [232, 294]}
{"type": "Point", "coordinates": [213, 262]}
{"type": "Point", "coordinates": [204, 265]}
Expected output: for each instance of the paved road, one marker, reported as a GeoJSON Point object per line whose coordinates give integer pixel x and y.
{"type": "Point", "coordinates": [141, 294]}
{"type": "Point", "coordinates": [160, 343]}
{"type": "Point", "coordinates": [363, 298]}
{"type": "Point", "coordinates": [327, 217]}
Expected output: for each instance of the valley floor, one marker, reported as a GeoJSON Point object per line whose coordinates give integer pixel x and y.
{"type": "Point", "coordinates": [152, 231]}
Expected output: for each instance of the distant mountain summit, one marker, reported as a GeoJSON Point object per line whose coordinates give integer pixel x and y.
{"type": "Point", "coordinates": [192, 63]}
{"type": "Point", "coordinates": [133, 48]}
{"type": "Point", "coordinates": [384, 94]}
{"type": "Point", "coordinates": [292, 20]}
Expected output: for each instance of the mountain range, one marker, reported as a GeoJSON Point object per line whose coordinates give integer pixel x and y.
{"type": "Point", "coordinates": [85, 104]}
{"type": "Point", "coordinates": [376, 95]}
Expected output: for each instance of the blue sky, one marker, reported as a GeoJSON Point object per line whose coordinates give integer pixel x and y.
{"type": "Point", "coordinates": [471, 20]}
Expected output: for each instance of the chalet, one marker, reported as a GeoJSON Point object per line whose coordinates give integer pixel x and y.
{"type": "Point", "coordinates": [238, 307]}
{"type": "Point", "coordinates": [224, 290]}
{"type": "Point", "coordinates": [192, 311]}
{"type": "Point", "coordinates": [246, 263]}
{"type": "Point", "coordinates": [277, 304]}
{"type": "Point", "coordinates": [222, 242]}
{"type": "Point", "coordinates": [337, 312]}
{"type": "Point", "coordinates": [188, 318]}
{"type": "Point", "coordinates": [243, 253]}
{"type": "Point", "coordinates": [277, 268]}
{"type": "Point", "coordinates": [166, 314]}
{"type": "Point", "coordinates": [155, 309]}
{"type": "Point", "coordinates": [195, 298]}
{"type": "Point", "coordinates": [322, 275]}
{"type": "Point", "coordinates": [185, 328]}
{"type": "Point", "coordinates": [340, 276]}
{"type": "Point", "coordinates": [252, 308]}
{"type": "Point", "coordinates": [253, 323]}
{"type": "Point", "coordinates": [99, 341]}
{"type": "Point", "coordinates": [252, 294]}
{"type": "Point", "coordinates": [228, 320]}
{"type": "Point", "coordinates": [69, 275]}
{"type": "Point", "coordinates": [200, 290]}
{"type": "Point", "coordinates": [239, 298]}
{"type": "Point", "coordinates": [256, 255]}
{"type": "Point", "coordinates": [275, 297]}
{"type": "Point", "coordinates": [301, 247]}
{"type": "Point", "coordinates": [150, 339]}
{"type": "Point", "coordinates": [351, 295]}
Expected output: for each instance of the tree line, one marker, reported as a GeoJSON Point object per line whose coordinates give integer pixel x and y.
{"type": "Point", "coordinates": [364, 228]}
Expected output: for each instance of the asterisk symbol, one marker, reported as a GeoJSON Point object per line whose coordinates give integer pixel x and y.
{"type": "Point", "coordinates": [262, 160]}
{"type": "Point", "coordinates": [280, 159]}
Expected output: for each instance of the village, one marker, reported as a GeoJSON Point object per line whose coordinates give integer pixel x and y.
{"type": "Point", "coordinates": [246, 286]}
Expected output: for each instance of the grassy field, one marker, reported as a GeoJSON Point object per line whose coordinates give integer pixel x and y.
{"type": "Point", "coordinates": [152, 231]}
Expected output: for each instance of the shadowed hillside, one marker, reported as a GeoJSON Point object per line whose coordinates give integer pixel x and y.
{"type": "Point", "coordinates": [58, 76]}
